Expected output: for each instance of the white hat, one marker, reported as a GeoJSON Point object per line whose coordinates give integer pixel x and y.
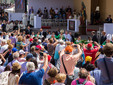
{"type": "Point", "coordinates": [21, 52]}
{"type": "Point", "coordinates": [61, 41]}
{"type": "Point", "coordinates": [39, 41]}
{"type": "Point", "coordinates": [109, 37]}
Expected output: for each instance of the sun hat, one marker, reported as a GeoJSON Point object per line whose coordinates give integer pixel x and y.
{"type": "Point", "coordinates": [21, 52]}
{"type": "Point", "coordinates": [16, 66]}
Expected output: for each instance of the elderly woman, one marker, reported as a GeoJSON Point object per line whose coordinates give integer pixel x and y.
{"type": "Point", "coordinates": [13, 77]}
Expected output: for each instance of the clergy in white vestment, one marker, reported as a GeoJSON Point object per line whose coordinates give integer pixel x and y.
{"type": "Point", "coordinates": [32, 19]}
{"type": "Point", "coordinates": [11, 25]}
{"type": "Point", "coordinates": [25, 19]}
{"type": "Point", "coordinates": [8, 26]}
{"type": "Point", "coordinates": [69, 37]}
{"type": "Point", "coordinates": [66, 36]}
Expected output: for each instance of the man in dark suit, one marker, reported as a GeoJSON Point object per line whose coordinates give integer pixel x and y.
{"type": "Point", "coordinates": [28, 30]}
{"type": "Point", "coordinates": [57, 32]}
{"type": "Point", "coordinates": [103, 38]}
{"type": "Point", "coordinates": [109, 19]}
{"type": "Point", "coordinates": [31, 10]}
{"type": "Point", "coordinates": [94, 38]}
{"type": "Point", "coordinates": [4, 26]}
{"type": "Point", "coordinates": [43, 33]}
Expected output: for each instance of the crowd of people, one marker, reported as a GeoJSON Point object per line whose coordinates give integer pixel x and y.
{"type": "Point", "coordinates": [54, 58]}
{"type": "Point", "coordinates": [3, 14]}
{"type": "Point", "coordinates": [62, 13]}
{"type": "Point", "coordinates": [6, 26]}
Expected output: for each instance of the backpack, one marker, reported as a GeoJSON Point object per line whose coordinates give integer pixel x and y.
{"type": "Point", "coordinates": [78, 83]}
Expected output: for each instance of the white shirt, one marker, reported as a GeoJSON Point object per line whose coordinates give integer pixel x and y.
{"type": "Point", "coordinates": [66, 36]}
{"type": "Point", "coordinates": [8, 27]}
{"type": "Point", "coordinates": [69, 37]}
{"type": "Point", "coordinates": [14, 61]}
{"type": "Point", "coordinates": [56, 11]}
{"type": "Point", "coordinates": [2, 69]}
{"type": "Point", "coordinates": [3, 48]}
{"type": "Point", "coordinates": [32, 36]}
{"type": "Point", "coordinates": [58, 84]}
{"type": "Point", "coordinates": [48, 36]}
{"type": "Point", "coordinates": [61, 47]}
{"type": "Point", "coordinates": [57, 47]}
{"type": "Point", "coordinates": [23, 67]}
{"type": "Point", "coordinates": [11, 25]}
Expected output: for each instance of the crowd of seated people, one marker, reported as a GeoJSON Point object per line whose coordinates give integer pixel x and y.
{"type": "Point", "coordinates": [58, 13]}
{"type": "Point", "coordinates": [3, 14]}
{"type": "Point", "coordinates": [6, 26]}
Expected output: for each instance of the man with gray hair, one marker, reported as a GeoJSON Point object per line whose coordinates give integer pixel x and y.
{"type": "Point", "coordinates": [33, 77]}
{"type": "Point", "coordinates": [30, 66]}
{"type": "Point", "coordinates": [15, 59]}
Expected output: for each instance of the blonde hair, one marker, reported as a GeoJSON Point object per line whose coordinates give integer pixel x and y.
{"type": "Point", "coordinates": [60, 77]}
{"type": "Point", "coordinates": [19, 38]}
{"type": "Point", "coordinates": [10, 46]}
{"type": "Point", "coordinates": [8, 42]}
{"type": "Point", "coordinates": [68, 43]}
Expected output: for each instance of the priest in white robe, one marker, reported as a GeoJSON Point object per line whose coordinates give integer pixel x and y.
{"type": "Point", "coordinates": [32, 19]}
{"type": "Point", "coordinates": [25, 19]}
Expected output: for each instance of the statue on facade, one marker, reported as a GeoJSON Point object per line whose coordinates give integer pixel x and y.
{"type": "Point", "coordinates": [82, 28]}
{"type": "Point", "coordinates": [83, 14]}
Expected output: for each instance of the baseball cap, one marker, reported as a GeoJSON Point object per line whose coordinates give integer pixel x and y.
{"type": "Point", "coordinates": [21, 52]}
{"type": "Point", "coordinates": [68, 49]}
{"type": "Point", "coordinates": [16, 66]}
{"type": "Point", "coordinates": [49, 57]}
{"type": "Point", "coordinates": [29, 56]}
{"type": "Point", "coordinates": [88, 58]}
{"type": "Point", "coordinates": [31, 39]}
{"type": "Point", "coordinates": [14, 50]}
{"type": "Point", "coordinates": [89, 45]}
{"type": "Point", "coordinates": [38, 47]}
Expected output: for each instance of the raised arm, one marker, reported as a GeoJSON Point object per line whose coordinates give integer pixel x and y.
{"type": "Point", "coordinates": [45, 62]}
{"type": "Point", "coordinates": [79, 52]}
{"type": "Point", "coordinates": [2, 57]}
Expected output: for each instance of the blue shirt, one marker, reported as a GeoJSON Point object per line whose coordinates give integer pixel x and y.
{"type": "Point", "coordinates": [96, 74]}
{"type": "Point", "coordinates": [33, 78]}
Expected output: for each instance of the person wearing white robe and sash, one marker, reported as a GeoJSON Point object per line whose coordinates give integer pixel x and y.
{"type": "Point", "coordinates": [25, 19]}
{"type": "Point", "coordinates": [32, 19]}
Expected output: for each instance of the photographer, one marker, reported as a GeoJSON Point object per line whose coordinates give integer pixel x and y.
{"type": "Point", "coordinates": [68, 62]}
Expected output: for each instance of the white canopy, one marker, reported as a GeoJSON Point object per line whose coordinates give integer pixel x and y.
{"type": "Point", "coordinates": [10, 9]}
